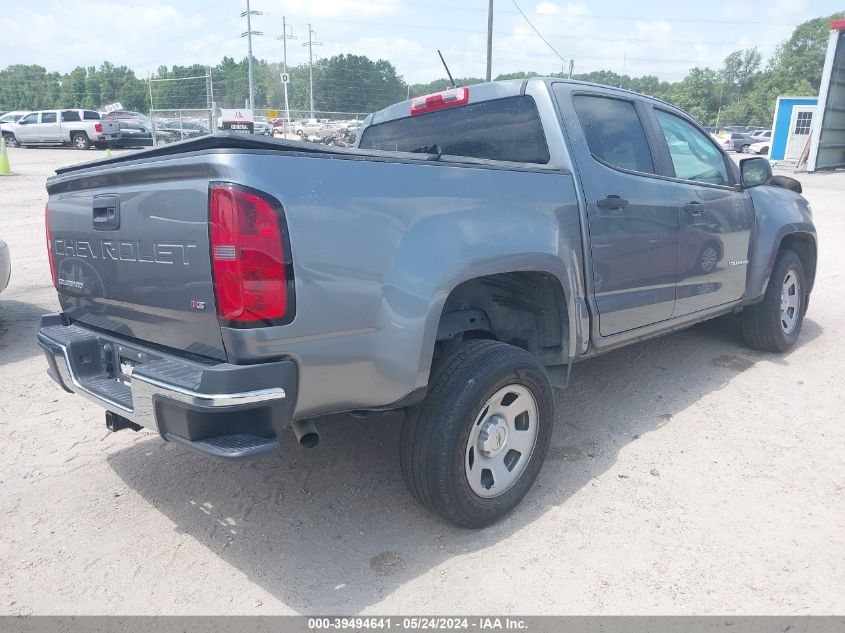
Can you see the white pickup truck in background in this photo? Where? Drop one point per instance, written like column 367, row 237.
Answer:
column 79, row 128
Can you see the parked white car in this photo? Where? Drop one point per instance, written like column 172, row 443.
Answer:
column 761, row 148
column 79, row 128
column 326, row 130
column 307, row 128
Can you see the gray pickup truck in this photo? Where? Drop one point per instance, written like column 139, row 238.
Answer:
column 455, row 264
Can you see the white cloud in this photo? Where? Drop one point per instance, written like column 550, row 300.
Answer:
column 130, row 33
column 336, row 8
column 657, row 29
column 572, row 9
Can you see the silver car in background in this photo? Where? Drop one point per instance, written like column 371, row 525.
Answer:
column 741, row 142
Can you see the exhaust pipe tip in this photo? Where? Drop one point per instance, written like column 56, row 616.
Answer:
column 306, row 433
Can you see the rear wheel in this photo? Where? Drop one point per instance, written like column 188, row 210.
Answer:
column 744, row 148
column 473, row 448
column 773, row 325
column 80, row 140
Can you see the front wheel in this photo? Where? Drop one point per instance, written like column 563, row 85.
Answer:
column 773, row 325
column 744, row 149
column 473, row 448
column 11, row 141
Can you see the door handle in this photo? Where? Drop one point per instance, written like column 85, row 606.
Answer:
column 612, row 202
column 694, row 207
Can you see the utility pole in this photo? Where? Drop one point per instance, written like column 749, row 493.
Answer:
column 489, row 40
column 209, row 99
column 311, row 42
column 248, row 35
column 285, row 37
column 571, row 64
column 152, row 115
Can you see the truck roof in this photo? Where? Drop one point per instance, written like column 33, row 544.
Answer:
column 498, row 90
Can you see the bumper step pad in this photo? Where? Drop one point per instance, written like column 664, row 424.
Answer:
column 230, row 446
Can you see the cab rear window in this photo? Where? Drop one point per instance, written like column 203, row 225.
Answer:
column 502, row 129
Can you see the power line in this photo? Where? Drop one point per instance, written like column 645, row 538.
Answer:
column 540, row 35
column 624, row 18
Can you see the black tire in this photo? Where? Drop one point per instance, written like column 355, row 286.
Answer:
column 744, row 149
column 436, row 432
column 761, row 323
column 80, row 140
column 11, row 141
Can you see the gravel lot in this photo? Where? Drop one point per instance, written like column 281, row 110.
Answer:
column 686, row 475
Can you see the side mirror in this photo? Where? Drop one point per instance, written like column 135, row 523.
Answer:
column 22, row 122
column 755, row 171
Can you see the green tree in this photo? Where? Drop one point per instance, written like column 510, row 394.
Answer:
column 698, row 94
column 739, row 71
column 27, row 86
column 443, row 83
column 355, row 83
column 802, row 55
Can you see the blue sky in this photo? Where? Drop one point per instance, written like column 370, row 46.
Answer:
column 650, row 36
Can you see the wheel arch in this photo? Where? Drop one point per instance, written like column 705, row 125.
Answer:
column 526, row 307
column 782, row 220
column 804, row 245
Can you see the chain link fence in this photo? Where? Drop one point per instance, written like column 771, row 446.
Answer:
column 169, row 126
column 305, row 115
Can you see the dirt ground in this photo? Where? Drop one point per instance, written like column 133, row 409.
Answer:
column 686, row 475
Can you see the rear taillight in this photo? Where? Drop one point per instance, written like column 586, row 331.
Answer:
column 247, row 255
column 440, row 100
column 98, row 127
column 50, row 247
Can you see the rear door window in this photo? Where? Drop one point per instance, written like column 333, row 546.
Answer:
column 70, row 115
column 506, row 129
column 48, row 117
column 613, row 132
column 90, row 115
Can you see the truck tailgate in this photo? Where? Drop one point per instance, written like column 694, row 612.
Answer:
column 130, row 247
column 110, row 127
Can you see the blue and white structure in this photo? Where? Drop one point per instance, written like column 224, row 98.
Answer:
column 792, row 126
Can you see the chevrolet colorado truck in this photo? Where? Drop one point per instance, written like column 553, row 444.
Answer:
column 456, row 263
